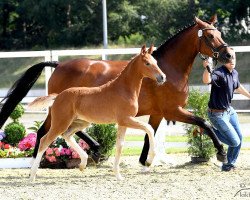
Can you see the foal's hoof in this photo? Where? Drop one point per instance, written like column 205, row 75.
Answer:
column 222, row 157
column 119, row 177
column 82, row 167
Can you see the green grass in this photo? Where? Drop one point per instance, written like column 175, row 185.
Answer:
column 167, row 139
column 136, row 151
column 246, row 139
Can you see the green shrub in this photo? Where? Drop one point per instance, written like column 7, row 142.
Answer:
column 14, row 131
column 200, row 144
column 17, row 112
column 105, row 135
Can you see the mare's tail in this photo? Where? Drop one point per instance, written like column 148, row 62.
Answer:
column 20, row 88
column 42, row 102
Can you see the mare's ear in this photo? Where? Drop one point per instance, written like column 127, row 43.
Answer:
column 151, row 49
column 143, row 50
column 213, row 19
column 199, row 22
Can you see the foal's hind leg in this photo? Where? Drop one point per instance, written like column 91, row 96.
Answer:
column 119, row 144
column 45, row 142
column 134, row 123
column 77, row 125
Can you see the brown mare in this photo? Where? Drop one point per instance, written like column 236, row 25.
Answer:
column 175, row 58
column 113, row 102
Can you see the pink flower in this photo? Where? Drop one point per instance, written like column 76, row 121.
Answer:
column 56, row 152
column 74, row 154
column 65, row 152
column 27, row 142
column 52, row 154
column 49, row 151
column 51, row 158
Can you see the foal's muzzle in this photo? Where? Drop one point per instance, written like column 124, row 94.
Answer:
column 161, row 79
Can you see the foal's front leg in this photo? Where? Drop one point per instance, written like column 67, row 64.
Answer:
column 83, row 155
column 77, row 125
column 119, row 144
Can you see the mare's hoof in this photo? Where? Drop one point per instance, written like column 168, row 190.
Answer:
column 95, row 156
column 147, row 164
column 145, row 169
column 222, row 157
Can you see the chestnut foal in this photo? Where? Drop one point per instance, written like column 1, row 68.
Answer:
column 114, row 102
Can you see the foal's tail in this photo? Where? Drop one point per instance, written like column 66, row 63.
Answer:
column 41, row 103
column 20, row 88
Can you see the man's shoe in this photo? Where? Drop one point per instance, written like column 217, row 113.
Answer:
column 227, row 168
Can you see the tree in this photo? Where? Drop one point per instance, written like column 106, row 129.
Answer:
column 47, row 24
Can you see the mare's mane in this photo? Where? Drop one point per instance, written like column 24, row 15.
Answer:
column 163, row 47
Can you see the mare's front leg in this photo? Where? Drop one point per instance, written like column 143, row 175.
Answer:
column 40, row 133
column 136, row 124
column 119, row 144
column 154, row 121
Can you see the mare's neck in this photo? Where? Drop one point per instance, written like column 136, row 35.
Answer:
column 130, row 78
column 177, row 57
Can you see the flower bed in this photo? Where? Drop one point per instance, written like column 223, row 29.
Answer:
column 58, row 155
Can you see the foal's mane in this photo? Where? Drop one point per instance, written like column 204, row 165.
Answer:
column 162, row 48
column 125, row 67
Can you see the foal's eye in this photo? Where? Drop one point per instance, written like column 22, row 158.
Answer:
column 148, row 64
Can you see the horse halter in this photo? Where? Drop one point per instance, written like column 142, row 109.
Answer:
column 216, row 51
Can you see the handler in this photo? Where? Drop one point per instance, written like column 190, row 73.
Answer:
column 225, row 81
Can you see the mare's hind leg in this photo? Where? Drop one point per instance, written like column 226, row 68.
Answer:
column 185, row 116
column 134, row 123
column 119, row 144
column 77, row 125
column 41, row 132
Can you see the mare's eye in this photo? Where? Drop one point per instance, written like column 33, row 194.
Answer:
column 148, row 64
column 210, row 36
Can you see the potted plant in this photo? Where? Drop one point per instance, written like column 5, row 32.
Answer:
column 59, row 155
column 200, row 145
column 15, row 130
column 105, row 135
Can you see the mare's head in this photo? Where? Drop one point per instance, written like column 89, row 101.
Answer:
column 148, row 65
column 210, row 41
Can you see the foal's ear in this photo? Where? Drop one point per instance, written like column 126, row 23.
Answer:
column 143, row 50
column 151, row 49
column 213, row 19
